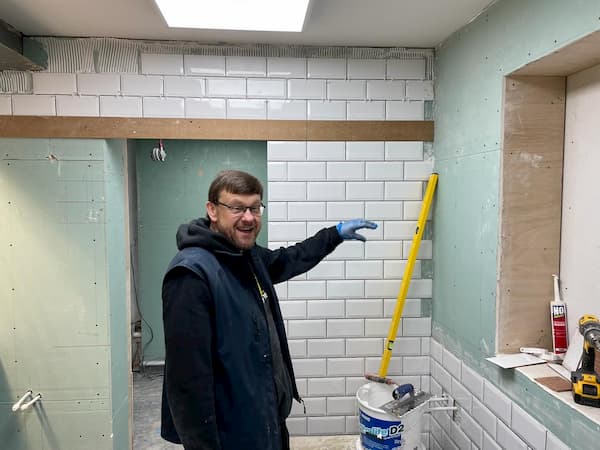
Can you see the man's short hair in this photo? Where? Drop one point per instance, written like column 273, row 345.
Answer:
column 235, row 182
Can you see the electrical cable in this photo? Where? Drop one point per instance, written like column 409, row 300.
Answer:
column 137, row 304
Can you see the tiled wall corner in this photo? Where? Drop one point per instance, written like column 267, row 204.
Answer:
column 486, row 417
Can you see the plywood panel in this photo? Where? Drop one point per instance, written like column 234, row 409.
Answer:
column 531, row 209
column 216, row 129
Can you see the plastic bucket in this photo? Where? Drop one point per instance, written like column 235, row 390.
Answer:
column 382, row 431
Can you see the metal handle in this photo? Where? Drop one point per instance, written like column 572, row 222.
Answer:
column 17, row 405
column 31, row 402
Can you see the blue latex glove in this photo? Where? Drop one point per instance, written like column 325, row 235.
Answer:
column 347, row 230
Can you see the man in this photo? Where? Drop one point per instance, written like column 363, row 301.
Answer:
column 229, row 381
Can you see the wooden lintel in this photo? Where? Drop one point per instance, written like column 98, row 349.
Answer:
column 214, row 129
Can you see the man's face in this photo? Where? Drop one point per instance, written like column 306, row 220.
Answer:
column 240, row 228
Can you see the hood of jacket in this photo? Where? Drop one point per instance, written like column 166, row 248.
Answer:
column 197, row 233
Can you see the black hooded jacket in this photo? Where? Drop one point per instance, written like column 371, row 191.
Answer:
column 221, row 369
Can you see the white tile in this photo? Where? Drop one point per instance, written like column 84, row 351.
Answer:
column 442, row 376
column 462, row 396
column 394, row 370
column 459, row 437
column 5, row 105
column 309, row 367
column 366, row 110
column 54, row 83
column 326, row 425
column 325, row 151
column 287, row 191
column 368, row 190
column 327, row 68
column 364, row 308
column 381, row 288
column 241, row 108
column 204, row 65
column 141, row 85
column 497, row 402
column 388, row 170
column 405, row 110
column 416, row 326
column 306, row 211
column 306, row 89
column 327, row 270
column 411, row 210
column 306, row 329
column 286, row 67
column 75, row 105
column 341, row 405
column 379, row 328
column 226, row 87
column 472, row 429
column 314, row 407
column 313, row 228
column 389, row 210
column 489, row 443
column 425, row 249
column 472, row 380
column 347, row 90
column 364, row 347
column 362, row 270
column 366, row 69
column 306, row 289
column 383, row 249
column 348, row 250
column 205, row 108
column 345, row 328
column 507, row 439
column 345, row 289
column 277, row 211
column 324, row 309
column 364, row 151
column 527, row 428
column 419, row 90
column 437, row 351
column 345, row 210
column 163, row 107
column 452, row 364
column 184, row 87
column 245, row 66
column 120, row 106
column 406, row 69
column 286, row 151
column 287, row 231
column 281, row 288
column 293, row 310
column 266, row 88
column 412, row 306
column 396, row 268
column 415, row 365
column 326, row 110
column 399, row 230
column 286, row 109
column 325, row 347
column 409, row 346
column 277, row 171
column 296, row 426
column 98, row 83
column 403, row 190
column 306, row 171
column 326, row 191
column 297, row 346
column 403, row 151
column 345, row 171
column 386, row 90
column 162, row 64
column 326, row 386
column 418, row 170
column 33, row 105
column 553, row 443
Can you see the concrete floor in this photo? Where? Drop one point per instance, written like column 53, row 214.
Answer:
column 147, row 390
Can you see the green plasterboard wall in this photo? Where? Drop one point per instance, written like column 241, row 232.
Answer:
column 174, row 192
column 469, row 68
column 57, row 324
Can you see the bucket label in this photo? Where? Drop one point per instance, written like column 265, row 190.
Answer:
column 378, row 434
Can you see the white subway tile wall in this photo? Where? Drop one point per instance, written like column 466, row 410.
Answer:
column 486, row 418
column 338, row 314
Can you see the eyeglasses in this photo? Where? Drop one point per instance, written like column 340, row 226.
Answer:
column 238, row 210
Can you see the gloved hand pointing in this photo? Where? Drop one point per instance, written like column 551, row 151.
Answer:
column 347, row 230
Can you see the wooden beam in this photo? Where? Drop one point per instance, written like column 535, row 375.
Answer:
column 216, row 129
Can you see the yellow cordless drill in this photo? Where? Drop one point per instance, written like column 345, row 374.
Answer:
column 586, row 382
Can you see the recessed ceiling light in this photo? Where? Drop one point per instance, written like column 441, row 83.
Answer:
column 246, row 15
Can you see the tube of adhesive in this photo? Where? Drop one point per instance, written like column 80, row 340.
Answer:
column 558, row 317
